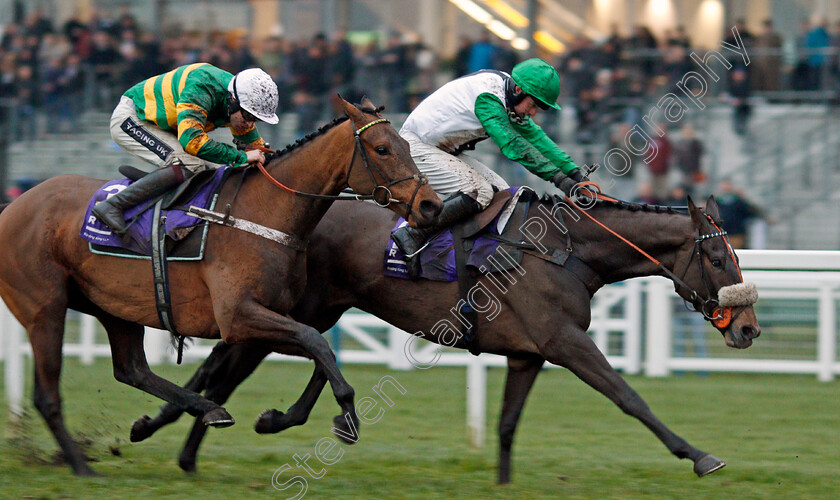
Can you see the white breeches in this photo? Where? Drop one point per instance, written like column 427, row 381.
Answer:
column 449, row 174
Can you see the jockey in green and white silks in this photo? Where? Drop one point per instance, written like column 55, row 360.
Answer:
column 486, row 104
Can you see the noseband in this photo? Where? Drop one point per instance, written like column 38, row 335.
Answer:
column 717, row 310
column 381, row 193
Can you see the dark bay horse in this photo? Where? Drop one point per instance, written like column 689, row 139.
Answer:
column 241, row 292
column 543, row 317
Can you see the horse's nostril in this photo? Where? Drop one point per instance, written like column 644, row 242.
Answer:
column 430, row 209
column 750, row 332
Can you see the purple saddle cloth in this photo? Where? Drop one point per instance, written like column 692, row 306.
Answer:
column 437, row 260
column 177, row 225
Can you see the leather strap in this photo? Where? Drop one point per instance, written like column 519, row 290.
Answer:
column 161, row 276
column 268, row 233
column 465, row 283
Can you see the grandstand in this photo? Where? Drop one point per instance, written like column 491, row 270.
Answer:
column 616, row 64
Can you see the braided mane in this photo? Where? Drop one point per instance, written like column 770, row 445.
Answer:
column 624, row 205
column 321, row 131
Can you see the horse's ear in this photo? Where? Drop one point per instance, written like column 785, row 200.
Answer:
column 367, row 103
column 696, row 214
column 712, row 208
column 350, row 110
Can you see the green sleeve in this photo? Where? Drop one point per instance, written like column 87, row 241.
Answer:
column 524, row 143
column 192, row 125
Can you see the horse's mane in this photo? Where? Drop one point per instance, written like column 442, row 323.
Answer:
column 624, row 205
column 321, row 131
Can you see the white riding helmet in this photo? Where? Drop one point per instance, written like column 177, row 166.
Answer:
column 256, row 93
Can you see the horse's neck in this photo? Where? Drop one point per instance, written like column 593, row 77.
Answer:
column 316, row 167
column 660, row 235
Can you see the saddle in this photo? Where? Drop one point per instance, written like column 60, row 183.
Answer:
column 482, row 234
column 479, row 245
column 182, row 242
column 182, row 193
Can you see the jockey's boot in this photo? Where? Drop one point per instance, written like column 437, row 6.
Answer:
column 411, row 240
column 110, row 210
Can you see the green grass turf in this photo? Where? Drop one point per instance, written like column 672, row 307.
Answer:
column 778, row 435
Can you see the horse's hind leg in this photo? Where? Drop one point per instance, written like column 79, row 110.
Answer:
column 224, row 370
column 46, row 336
column 520, row 378
column 577, row 352
column 130, row 367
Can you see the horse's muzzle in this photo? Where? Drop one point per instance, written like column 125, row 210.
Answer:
column 743, row 329
column 430, row 209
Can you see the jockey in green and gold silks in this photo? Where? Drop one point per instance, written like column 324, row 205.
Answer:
column 190, row 101
column 164, row 120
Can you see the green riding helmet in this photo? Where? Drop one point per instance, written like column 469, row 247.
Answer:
column 539, row 80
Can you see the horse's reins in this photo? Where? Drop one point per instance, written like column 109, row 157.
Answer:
column 359, row 149
column 711, row 309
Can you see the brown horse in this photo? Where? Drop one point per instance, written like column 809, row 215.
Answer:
column 542, row 317
column 241, row 292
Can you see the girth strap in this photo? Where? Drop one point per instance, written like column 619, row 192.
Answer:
column 465, row 283
column 161, row 276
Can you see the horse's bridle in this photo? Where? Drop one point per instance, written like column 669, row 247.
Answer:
column 710, row 307
column 720, row 315
column 381, row 193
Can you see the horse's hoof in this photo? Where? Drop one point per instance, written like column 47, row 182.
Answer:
column 265, row 422
column 346, row 433
column 187, row 465
column 141, row 429
column 218, row 418
column 708, row 464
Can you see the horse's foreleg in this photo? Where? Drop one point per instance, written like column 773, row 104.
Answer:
column 130, row 367
column 46, row 337
column 577, row 352
column 520, row 378
column 273, row 421
column 144, row 427
column 258, row 325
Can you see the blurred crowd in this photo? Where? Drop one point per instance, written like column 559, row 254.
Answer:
column 58, row 70
column 47, row 67
column 607, row 80
column 44, row 66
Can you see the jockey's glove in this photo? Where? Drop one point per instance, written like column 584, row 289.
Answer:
column 567, row 183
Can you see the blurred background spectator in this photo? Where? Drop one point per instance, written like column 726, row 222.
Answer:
column 768, row 60
column 736, row 212
column 688, row 157
column 660, row 164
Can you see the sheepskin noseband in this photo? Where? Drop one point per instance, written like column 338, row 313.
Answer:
column 741, row 294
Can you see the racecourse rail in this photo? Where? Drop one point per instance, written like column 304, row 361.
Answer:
column 643, row 329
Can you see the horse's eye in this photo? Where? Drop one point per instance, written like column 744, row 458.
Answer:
column 381, row 150
column 717, row 263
